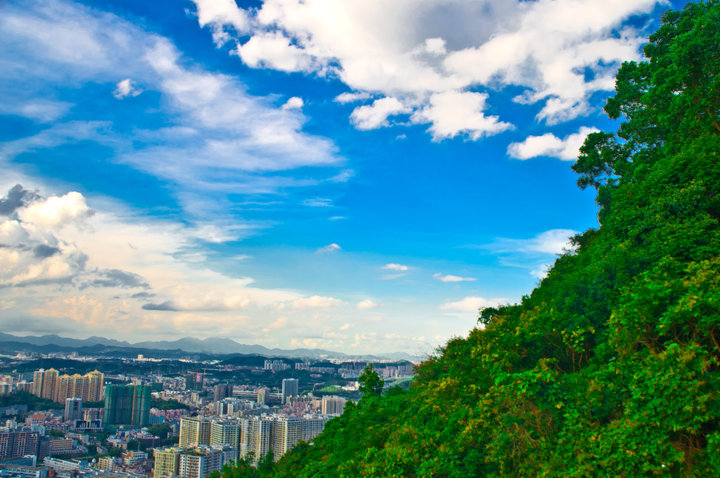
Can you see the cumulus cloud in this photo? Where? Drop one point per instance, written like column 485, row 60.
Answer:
column 561, row 52
column 294, row 103
column 452, row 113
column 31, row 256
column 330, row 248
column 274, row 50
column 30, row 252
column 396, row 267
column 452, row 278
column 366, row 304
column 376, row 115
column 550, row 145
column 221, row 16
column 16, row 197
column 126, row 88
column 56, row 212
column 472, row 304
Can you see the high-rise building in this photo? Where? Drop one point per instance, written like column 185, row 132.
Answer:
column 167, row 462
column 225, row 432
column 290, row 388
column 196, row 462
column 194, row 431
column 259, row 437
column 194, row 381
column 221, row 391
column 286, row 434
column 73, row 409
column 312, row 426
column 95, row 382
column 17, row 443
column 332, row 405
column 276, row 365
column 48, row 384
column 262, row 395
column 127, row 405
column 37, row 382
column 69, row 386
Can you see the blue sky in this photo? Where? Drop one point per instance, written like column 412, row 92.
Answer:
column 356, row 176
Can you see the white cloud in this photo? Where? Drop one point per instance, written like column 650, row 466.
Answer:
column 219, row 13
column 473, row 304
column 55, row 212
column 550, row 145
column 222, row 16
column 541, row 271
column 375, row 115
column 274, row 50
column 42, row 259
column 126, row 88
column 42, row 110
column 452, row 113
column 452, row 278
column 535, row 253
column 318, row 202
column 396, row 267
column 120, row 273
column 560, row 51
column 366, row 304
column 316, row 302
column 555, row 241
column 294, row 103
column 352, row 97
column 219, row 138
column 435, row 46
column 330, row 248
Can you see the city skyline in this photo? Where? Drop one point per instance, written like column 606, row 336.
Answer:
column 361, row 180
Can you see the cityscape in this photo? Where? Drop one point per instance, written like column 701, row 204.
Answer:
column 167, row 423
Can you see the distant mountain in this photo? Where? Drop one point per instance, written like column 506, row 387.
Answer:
column 209, row 346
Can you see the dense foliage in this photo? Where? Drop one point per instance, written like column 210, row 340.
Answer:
column 34, row 403
column 611, row 366
column 170, row 404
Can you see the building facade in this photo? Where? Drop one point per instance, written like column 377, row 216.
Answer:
column 127, row 405
column 194, row 431
column 290, row 388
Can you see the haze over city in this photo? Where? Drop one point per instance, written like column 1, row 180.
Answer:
column 360, row 177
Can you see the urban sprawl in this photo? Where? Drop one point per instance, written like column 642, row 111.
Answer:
column 159, row 424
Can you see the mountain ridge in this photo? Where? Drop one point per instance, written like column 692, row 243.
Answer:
column 208, row 346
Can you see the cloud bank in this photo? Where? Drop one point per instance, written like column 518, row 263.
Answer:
column 429, row 58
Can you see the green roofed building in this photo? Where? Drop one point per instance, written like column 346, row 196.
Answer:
column 127, row 405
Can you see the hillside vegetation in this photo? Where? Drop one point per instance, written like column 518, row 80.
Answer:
column 610, row 367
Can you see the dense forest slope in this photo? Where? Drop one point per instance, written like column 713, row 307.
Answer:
column 611, row 366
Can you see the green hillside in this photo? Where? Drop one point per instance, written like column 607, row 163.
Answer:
column 610, row 367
